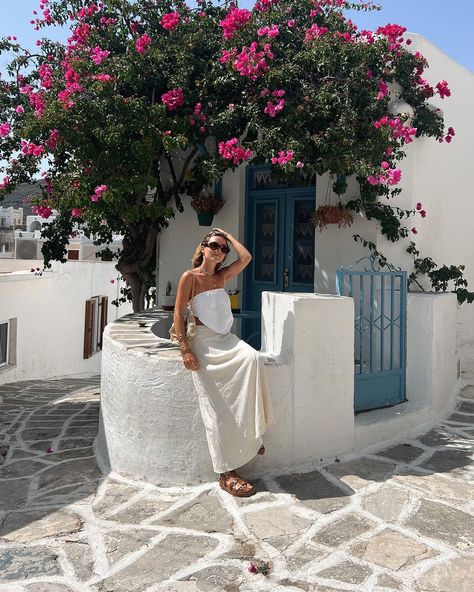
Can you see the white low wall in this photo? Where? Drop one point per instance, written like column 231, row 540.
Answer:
column 50, row 312
column 151, row 426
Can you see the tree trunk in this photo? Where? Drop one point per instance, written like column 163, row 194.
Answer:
column 136, row 263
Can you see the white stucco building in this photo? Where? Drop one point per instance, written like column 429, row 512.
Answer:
column 11, row 217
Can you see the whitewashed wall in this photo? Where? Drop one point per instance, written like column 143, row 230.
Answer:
column 50, row 310
column 176, row 245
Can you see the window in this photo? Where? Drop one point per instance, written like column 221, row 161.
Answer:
column 94, row 324
column 4, row 334
column 7, row 342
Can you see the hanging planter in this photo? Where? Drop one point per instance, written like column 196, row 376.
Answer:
column 329, row 213
column 206, row 206
column 323, row 216
column 205, row 218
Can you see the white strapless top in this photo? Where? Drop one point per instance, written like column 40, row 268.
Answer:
column 212, row 308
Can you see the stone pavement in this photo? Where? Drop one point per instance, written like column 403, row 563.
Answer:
column 401, row 518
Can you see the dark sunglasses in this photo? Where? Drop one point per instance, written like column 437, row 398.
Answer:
column 216, row 246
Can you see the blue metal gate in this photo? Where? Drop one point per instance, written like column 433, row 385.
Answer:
column 380, row 331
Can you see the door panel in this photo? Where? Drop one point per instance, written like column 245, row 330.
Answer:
column 281, row 239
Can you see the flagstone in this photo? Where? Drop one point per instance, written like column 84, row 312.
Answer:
column 21, row 468
column 444, row 523
column 275, row 521
column 79, row 554
column 30, row 525
column 218, row 578
column 77, row 494
column 460, row 418
column 440, row 437
column 360, row 472
column 116, row 493
column 175, row 552
column 314, row 491
column 14, row 494
column 343, row 530
column 69, row 472
column 454, row 575
column 392, row 550
column 437, row 485
column 202, row 513
column 120, row 543
column 405, row 453
column 346, row 571
column 143, row 508
column 28, row 562
column 387, row 504
column 48, row 587
column 449, row 460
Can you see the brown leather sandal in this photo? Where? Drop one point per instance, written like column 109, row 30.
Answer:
column 235, row 485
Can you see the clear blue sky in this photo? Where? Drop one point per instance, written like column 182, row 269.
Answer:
column 446, row 24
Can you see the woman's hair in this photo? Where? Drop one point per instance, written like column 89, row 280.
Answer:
column 198, row 257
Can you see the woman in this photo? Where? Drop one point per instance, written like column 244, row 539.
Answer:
column 229, row 374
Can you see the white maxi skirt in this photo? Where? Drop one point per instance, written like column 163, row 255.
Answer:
column 233, row 397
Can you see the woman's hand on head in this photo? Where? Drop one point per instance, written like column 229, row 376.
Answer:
column 190, row 361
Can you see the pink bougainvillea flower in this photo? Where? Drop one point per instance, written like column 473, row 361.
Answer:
column 274, row 107
column 252, row 568
column 103, row 77
column 264, row 5
column 76, row 212
column 142, row 43
column 235, row 19
column 20, row 109
column 170, row 20
column 314, row 32
column 272, row 31
column 299, row 164
column 53, row 139
column 443, row 90
column 284, row 156
column 229, row 150
column 173, row 99
column 98, row 55
column 43, row 211
column 250, row 62
column 5, row 129
column 394, row 176
column 98, row 191
column 383, row 90
column 384, row 164
column 372, row 180
column 31, row 149
column 392, row 31
column 291, row 23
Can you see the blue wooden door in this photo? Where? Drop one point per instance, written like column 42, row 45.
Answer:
column 281, row 239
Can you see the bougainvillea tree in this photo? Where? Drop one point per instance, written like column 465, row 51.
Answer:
column 153, row 100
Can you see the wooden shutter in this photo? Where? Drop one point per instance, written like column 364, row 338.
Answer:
column 88, row 325
column 104, row 304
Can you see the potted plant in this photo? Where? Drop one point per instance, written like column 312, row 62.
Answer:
column 168, row 299
column 206, row 204
column 329, row 214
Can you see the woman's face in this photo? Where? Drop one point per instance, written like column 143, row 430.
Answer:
column 215, row 254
